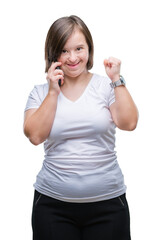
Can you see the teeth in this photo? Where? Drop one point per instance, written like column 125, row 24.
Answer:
column 73, row 64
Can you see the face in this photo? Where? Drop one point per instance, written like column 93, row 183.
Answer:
column 75, row 55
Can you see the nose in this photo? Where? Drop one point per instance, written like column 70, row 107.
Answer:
column 72, row 56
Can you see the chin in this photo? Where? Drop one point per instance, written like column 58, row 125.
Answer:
column 75, row 74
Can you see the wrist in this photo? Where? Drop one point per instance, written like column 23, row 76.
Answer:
column 115, row 78
column 119, row 82
column 53, row 93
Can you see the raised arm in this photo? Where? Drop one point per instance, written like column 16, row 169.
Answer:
column 38, row 122
column 124, row 111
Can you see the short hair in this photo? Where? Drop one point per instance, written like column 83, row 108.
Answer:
column 59, row 33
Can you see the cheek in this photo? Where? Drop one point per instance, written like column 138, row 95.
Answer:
column 61, row 59
column 85, row 56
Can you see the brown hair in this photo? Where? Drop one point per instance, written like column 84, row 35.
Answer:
column 58, row 35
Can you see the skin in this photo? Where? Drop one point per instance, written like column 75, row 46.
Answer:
column 124, row 111
column 74, row 79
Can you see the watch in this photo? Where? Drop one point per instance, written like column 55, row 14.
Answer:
column 120, row 82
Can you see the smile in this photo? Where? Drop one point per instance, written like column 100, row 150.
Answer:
column 73, row 65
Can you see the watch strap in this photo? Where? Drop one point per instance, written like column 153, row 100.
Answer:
column 120, row 82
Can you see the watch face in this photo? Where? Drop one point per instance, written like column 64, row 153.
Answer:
column 122, row 80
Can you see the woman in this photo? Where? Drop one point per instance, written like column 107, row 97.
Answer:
column 80, row 190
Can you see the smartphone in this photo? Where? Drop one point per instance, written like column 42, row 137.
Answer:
column 59, row 81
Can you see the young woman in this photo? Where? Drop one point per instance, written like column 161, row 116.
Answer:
column 80, row 190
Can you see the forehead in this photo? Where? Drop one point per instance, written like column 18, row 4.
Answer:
column 76, row 38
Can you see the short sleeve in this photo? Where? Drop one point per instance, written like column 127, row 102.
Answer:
column 111, row 98
column 104, row 90
column 107, row 91
column 36, row 97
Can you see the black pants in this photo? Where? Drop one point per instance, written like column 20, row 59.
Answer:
column 57, row 220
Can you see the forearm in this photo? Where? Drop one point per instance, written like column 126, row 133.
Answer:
column 124, row 110
column 37, row 126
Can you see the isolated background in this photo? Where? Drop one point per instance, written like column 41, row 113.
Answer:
column 126, row 29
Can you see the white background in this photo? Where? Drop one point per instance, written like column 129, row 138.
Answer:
column 126, row 29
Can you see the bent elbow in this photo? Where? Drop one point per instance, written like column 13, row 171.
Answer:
column 127, row 125
column 133, row 123
column 132, row 126
column 35, row 140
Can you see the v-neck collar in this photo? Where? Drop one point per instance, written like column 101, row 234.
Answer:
column 81, row 96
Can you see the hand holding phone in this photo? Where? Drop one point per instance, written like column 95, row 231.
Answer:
column 59, row 81
column 55, row 77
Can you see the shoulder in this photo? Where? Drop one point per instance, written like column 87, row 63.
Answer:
column 101, row 82
column 40, row 91
column 41, row 88
column 101, row 86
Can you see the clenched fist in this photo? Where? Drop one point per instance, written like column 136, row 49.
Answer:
column 112, row 67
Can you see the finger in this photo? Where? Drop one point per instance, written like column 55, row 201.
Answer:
column 107, row 63
column 56, row 78
column 58, row 72
column 55, row 73
column 62, row 81
column 53, row 66
column 56, row 64
column 114, row 61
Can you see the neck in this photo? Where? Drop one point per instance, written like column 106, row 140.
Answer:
column 72, row 81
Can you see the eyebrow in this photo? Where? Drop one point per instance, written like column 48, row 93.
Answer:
column 78, row 45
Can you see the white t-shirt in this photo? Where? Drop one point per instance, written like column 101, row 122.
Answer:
column 80, row 163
